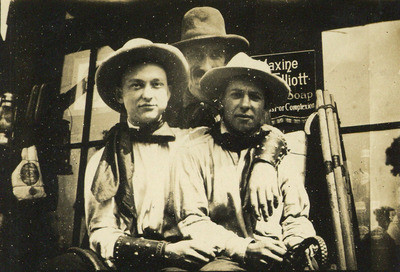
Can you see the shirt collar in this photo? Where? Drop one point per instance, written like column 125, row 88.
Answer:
column 164, row 130
column 223, row 128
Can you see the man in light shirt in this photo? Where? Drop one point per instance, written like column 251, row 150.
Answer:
column 128, row 190
column 206, row 45
column 211, row 175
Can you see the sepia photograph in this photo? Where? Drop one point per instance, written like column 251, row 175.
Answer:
column 201, row 135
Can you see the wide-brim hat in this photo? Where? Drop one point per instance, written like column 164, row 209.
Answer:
column 136, row 51
column 214, row 81
column 206, row 24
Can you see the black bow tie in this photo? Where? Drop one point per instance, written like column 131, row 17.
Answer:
column 145, row 136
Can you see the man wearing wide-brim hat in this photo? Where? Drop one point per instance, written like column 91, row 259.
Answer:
column 128, row 190
column 205, row 44
column 129, row 216
column 212, row 197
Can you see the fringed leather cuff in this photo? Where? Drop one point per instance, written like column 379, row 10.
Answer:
column 138, row 250
column 273, row 147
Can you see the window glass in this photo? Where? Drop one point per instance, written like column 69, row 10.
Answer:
column 103, row 117
column 373, row 184
column 73, row 88
column 361, row 69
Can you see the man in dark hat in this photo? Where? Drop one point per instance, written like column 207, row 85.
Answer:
column 205, row 45
column 211, row 174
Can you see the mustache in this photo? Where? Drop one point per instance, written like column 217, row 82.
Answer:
column 245, row 115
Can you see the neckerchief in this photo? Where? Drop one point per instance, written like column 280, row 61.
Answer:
column 235, row 143
column 116, row 164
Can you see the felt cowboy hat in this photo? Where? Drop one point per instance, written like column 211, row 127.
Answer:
column 241, row 65
column 135, row 51
column 203, row 24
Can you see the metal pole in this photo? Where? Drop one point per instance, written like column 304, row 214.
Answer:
column 79, row 201
column 345, row 169
column 340, row 187
column 333, row 200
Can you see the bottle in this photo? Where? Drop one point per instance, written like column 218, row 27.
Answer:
column 27, row 178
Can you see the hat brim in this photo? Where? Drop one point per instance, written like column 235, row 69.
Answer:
column 276, row 90
column 108, row 75
column 235, row 42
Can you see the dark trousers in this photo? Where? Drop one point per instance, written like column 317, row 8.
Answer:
column 74, row 262
column 219, row 264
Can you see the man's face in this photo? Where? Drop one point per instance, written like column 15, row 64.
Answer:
column 201, row 58
column 144, row 92
column 243, row 106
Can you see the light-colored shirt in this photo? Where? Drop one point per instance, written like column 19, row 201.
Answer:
column 208, row 203
column 151, row 190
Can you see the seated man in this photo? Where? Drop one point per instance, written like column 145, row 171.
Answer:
column 211, row 173
column 129, row 213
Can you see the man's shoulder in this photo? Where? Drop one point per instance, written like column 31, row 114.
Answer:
column 197, row 136
column 92, row 167
column 94, row 161
column 194, row 139
column 96, row 156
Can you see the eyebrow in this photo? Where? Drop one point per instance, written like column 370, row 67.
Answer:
column 237, row 89
column 250, row 92
column 133, row 80
column 141, row 80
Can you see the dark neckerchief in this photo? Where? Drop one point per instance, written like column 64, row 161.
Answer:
column 235, row 143
column 157, row 132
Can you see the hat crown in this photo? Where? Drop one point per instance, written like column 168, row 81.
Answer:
column 241, row 65
column 202, row 21
column 244, row 61
column 137, row 42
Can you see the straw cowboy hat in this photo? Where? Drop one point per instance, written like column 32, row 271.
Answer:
column 135, row 51
column 203, row 24
column 215, row 80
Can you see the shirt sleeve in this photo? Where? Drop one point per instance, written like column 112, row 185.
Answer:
column 295, row 223
column 102, row 224
column 190, row 174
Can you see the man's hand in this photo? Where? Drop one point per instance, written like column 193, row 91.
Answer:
column 312, row 264
column 263, row 190
column 265, row 252
column 190, row 252
column 310, row 254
